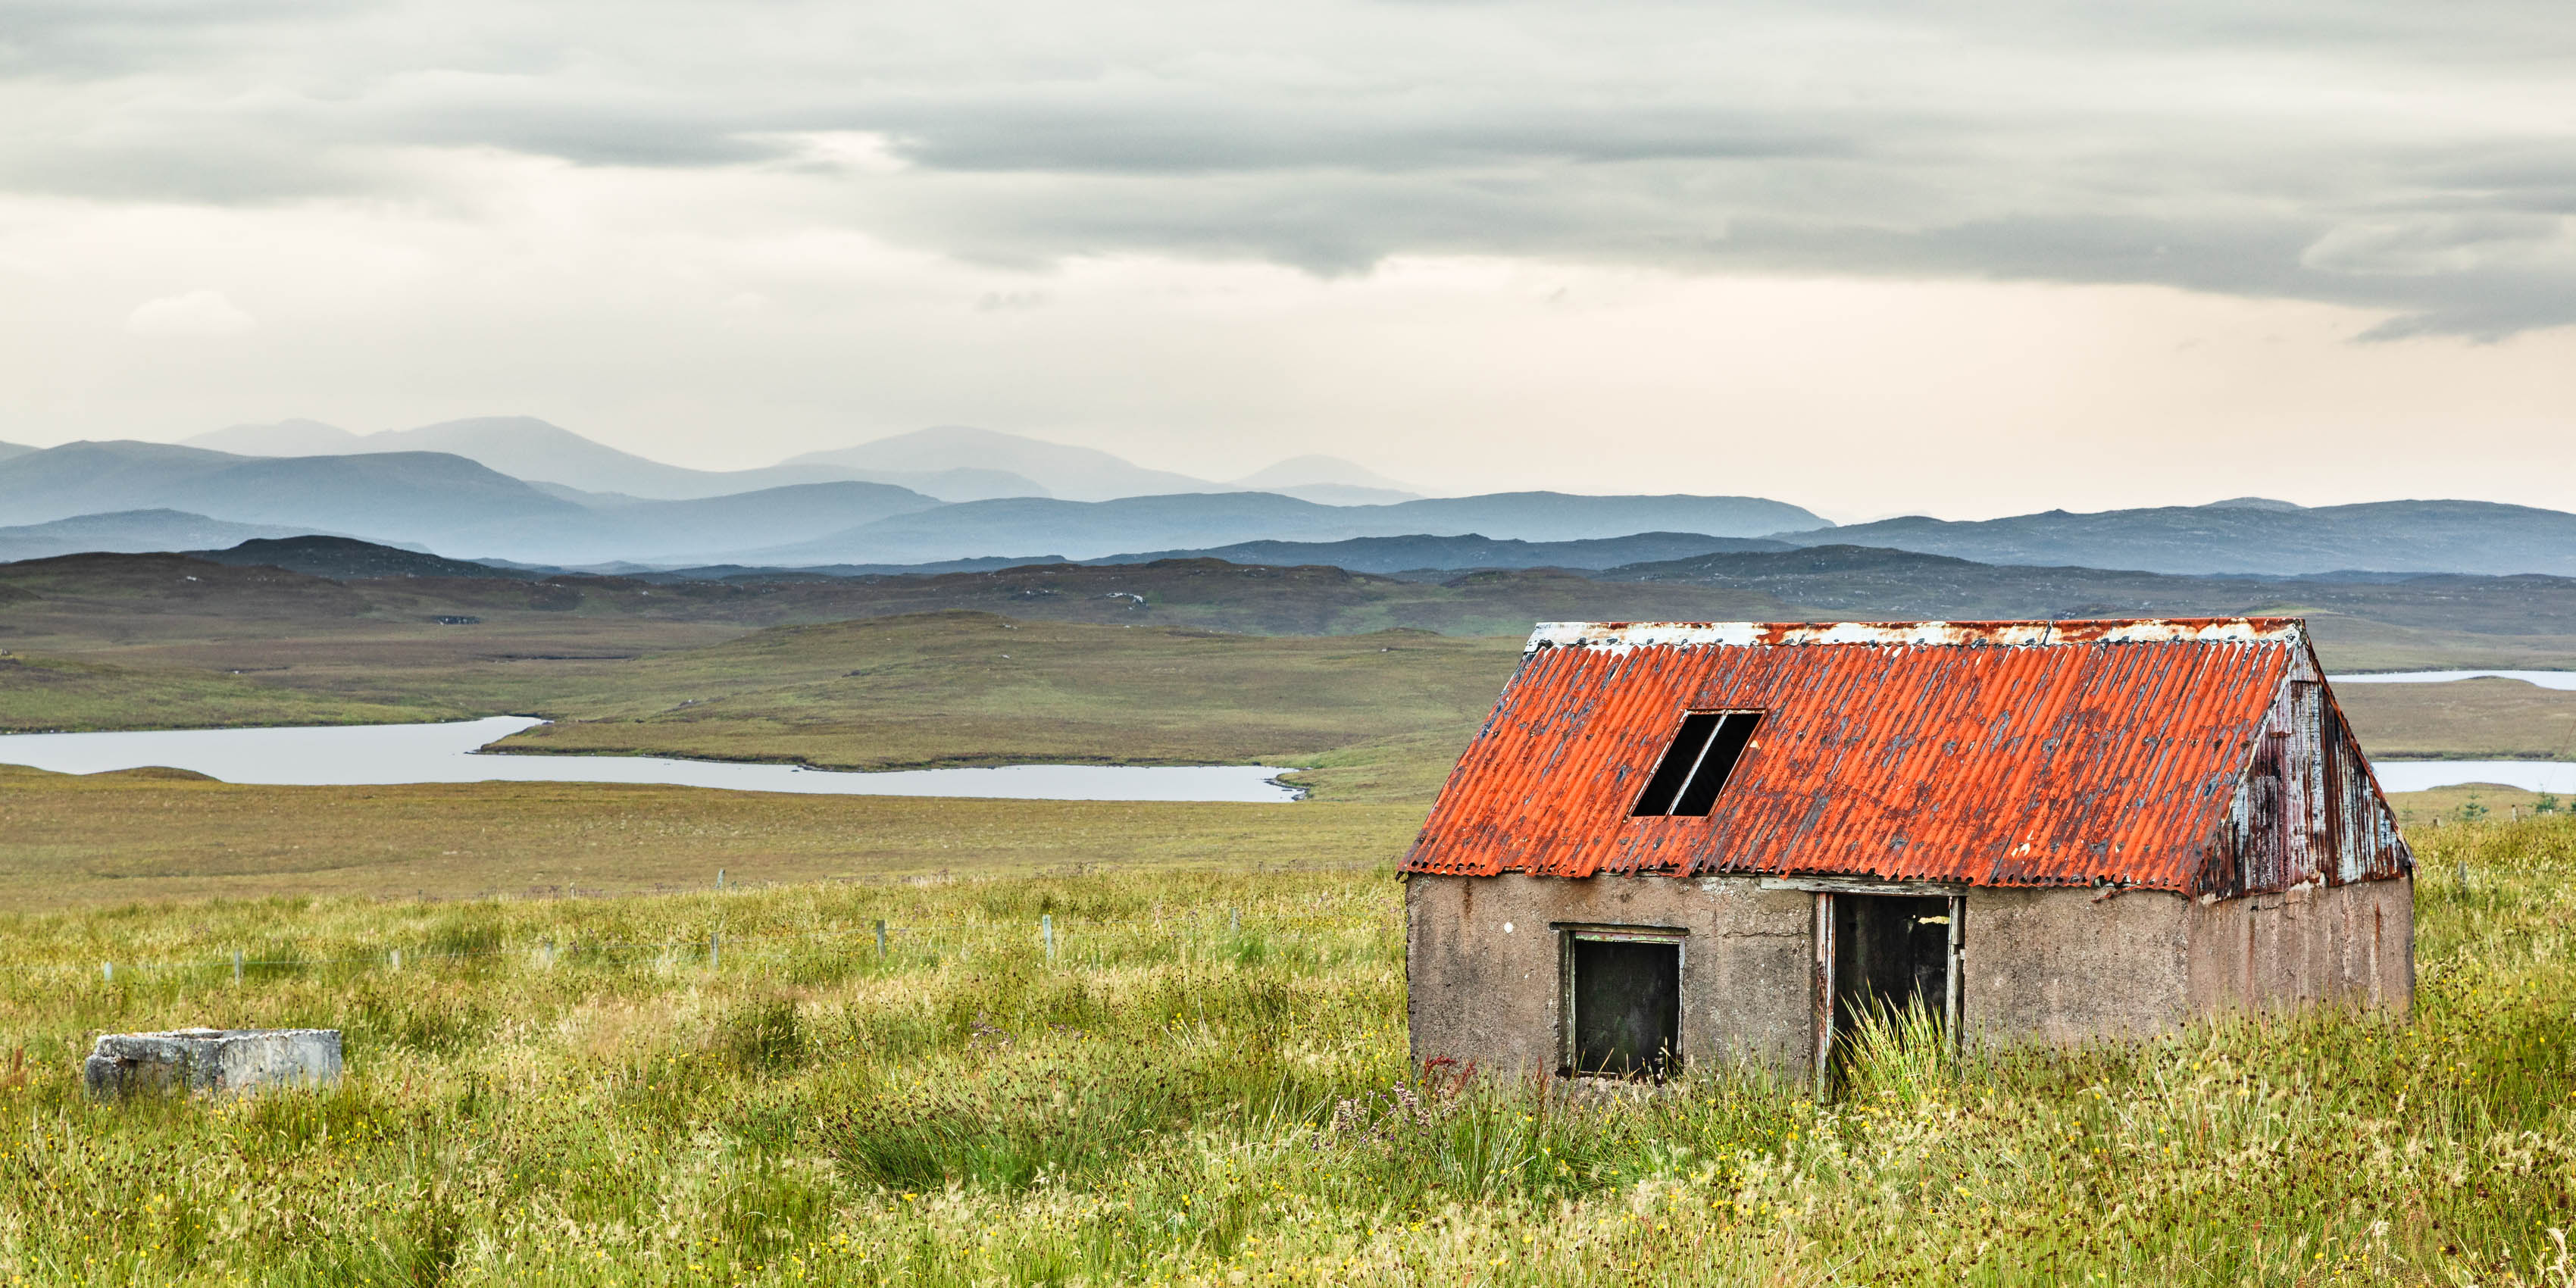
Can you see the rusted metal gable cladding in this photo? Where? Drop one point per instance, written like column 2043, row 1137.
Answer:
column 1997, row 753
column 2309, row 810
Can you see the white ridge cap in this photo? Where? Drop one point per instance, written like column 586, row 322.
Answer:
column 1622, row 636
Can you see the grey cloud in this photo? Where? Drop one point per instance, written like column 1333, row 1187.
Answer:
column 2388, row 155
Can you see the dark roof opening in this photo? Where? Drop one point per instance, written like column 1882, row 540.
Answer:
column 1694, row 769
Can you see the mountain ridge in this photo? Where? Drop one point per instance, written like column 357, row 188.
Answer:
column 2272, row 538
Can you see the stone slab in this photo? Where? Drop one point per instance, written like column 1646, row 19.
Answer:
column 211, row 1060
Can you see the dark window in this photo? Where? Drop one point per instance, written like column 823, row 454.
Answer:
column 1694, row 769
column 1627, row 1007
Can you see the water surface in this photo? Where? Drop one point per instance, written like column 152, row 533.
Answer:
column 2545, row 679
column 2530, row 775
column 349, row 755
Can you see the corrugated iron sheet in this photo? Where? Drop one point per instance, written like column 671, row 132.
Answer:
column 1997, row 753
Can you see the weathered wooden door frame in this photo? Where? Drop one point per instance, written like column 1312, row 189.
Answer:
column 1822, row 1000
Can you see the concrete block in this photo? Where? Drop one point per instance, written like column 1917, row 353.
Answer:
column 211, row 1060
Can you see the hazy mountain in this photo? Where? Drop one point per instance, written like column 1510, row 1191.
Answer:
column 574, row 468
column 645, row 531
column 1072, row 473
column 343, row 558
column 128, row 532
column 401, row 496
column 1327, row 480
column 2248, row 536
column 285, row 438
column 1448, row 554
column 1092, row 530
column 8, row 450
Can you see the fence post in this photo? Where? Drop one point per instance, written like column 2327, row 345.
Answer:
column 2464, row 876
column 397, row 959
column 107, row 971
column 880, row 939
column 237, row 968
column 1046, row 923
column 715, row 950
column 1234, row 921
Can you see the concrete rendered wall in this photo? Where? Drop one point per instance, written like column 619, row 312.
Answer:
column 2054, row 966
column 1491, row 996
column 2348, row 945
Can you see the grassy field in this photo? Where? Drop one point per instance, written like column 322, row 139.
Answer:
column 1208, row 1084
column 2472, row 719
column 147, row 836
column 973, row 688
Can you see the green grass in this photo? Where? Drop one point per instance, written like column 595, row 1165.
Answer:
column 2480, row 719
column 976, row 689
column 104, row 839
column 569, row 1092
column 51, row 694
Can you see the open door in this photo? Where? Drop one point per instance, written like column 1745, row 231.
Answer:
column 1881, row 956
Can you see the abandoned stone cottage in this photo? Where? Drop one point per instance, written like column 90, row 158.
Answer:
column 1675, row 843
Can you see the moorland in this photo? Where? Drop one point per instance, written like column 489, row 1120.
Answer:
column 574, row 1060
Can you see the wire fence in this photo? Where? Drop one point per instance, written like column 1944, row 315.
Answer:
column 1046, row 939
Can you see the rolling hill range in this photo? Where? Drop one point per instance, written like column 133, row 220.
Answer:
column 129, row 532
column 2249, row 535
column 87, row 601
column 432, row 499
column 527, row 448
column 403, row 496
column 1438, row 556
column 462, row 507
column 1100, row 529
column 520, row 489
column 1073, row 473
column 1032, row 662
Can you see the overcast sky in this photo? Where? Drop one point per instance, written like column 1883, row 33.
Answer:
column 1954, row 259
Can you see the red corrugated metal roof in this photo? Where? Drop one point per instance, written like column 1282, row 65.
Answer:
column 1996, row 753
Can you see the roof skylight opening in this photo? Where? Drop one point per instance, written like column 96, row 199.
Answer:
column 1694, row 769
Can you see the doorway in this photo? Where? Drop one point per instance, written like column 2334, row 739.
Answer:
column 1880, row 958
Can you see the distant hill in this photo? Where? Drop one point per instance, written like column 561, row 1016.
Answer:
column 1450, row 554
column 1093, row 530
column 128, row 531
column 1071, row 473
column 8, row 450
column 297, row 437
column 400, row 496
column 2248, row 535
column 1327, row 480
column 647, row 531
column 342, row 559
column 536, row 451
column 446, row 502
column 1870, row 583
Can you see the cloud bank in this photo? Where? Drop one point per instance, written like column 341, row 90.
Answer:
column 2418, row 160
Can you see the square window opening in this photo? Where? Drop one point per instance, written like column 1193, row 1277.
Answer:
column 1695, row 767
column 1625, row 996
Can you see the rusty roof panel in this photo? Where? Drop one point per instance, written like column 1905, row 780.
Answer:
column 1997, row 753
